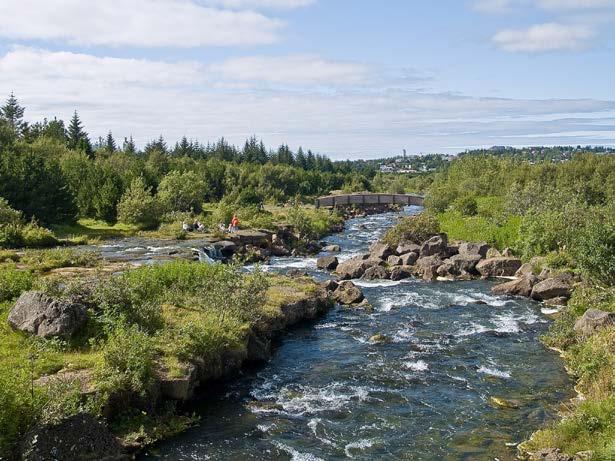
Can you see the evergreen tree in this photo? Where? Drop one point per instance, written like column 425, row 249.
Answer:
column 77, row 137
column 129, row 146
column 300, row 159
column 110, row 145
column 12, row 112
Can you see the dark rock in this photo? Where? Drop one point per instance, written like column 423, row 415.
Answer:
column 38, row 314
column 465, row 262
column 401, row 272
column 452, row 250
column 376, row 273
column 327, row 262
column 380, row 251
column 329, row 285
column 498, row 267
column 77, row 438
column 408, row 259
column 352, row 268
column 555, row 287
column 404, row 248
column 593, row 320
column 519, row 287
column 348, row 293
column 436, row 245
column 394, row 260
column 279, row 250
column 428, row 266
column 474, row 248
column 226, row 247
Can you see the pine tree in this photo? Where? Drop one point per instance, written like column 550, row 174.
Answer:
column 129, row 146
column 12, row 112
column 77, row 137
column 300, row 159
column 110, row 145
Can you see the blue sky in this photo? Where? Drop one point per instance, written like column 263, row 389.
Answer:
column 347, row 78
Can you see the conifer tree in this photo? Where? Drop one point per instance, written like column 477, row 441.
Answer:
column 129, row 146
column 110, row 145
column 12, row 112
column 77, row 137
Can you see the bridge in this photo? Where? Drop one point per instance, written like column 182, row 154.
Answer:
column 368, row 199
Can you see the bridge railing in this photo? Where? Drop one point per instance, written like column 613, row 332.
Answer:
column 368, row 199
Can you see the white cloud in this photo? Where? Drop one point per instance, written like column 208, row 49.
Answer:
column 506, row 6
column 575, row 4
column 260, row 4
column 142, row 23
column 493, row 6
column 291, row 70
column 145, row 98
column 544, row 37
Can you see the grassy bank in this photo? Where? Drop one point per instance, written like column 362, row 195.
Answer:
column 144, row 325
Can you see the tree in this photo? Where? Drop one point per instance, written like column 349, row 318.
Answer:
column 110, row 145
column 301, row 159
column 12, row 112
column 138, row 206
column 77, row 137
column 182, row 191
column 129, row 146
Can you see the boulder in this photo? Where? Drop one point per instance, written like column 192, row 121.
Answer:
column 226, row 247
column 437, row 245
column 348, row 293
column 556, row 287
column 38, row 314
column 379, row 338
column 493, row 253
column 332, row 249
column 428, row 266
column 550, row 454
column 380, row 251
column 352, row 268
column 474, row 248
column 498, row 267
column 465, row 262
column 519, row 287
column 401, row 272
column 376, row 273
column 524, row 270
column 279, row 250
column 394, row 260
column 327, row 262
column 408, row 259
column 452, row 250
column 404, row 248
column 79, row 437
column 593, row 320
column 329, row 285
column 556, row 302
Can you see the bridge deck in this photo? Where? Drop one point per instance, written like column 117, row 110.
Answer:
column 369, row 199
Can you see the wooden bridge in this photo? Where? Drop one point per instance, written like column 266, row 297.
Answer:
column 368, row 199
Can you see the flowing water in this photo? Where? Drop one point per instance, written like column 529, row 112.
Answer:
column 329, row 393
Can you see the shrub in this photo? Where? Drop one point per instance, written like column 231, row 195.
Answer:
column 7, row 214
column 128, row 361
column 466, row 205
column 46, row 260
column 13, row 282
column 138, row 206
column 35, row 236
column 414, row 229
column 11, row 236
column 182, row 191
column 594, row 251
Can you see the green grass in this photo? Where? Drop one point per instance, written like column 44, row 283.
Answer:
column 501, row 233
column 94, row 229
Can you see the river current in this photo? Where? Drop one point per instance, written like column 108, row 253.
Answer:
column 329, row 393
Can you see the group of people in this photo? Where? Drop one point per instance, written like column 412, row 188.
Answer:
column 198, row 226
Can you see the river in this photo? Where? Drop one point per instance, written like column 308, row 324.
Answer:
column 329, row 393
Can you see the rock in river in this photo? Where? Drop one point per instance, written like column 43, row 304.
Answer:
column 327, row 262
column 348, row 293
column 519, row 287
column 380, row 251
column 376, row 273
column 498, row 267
column 38, row 314
column 556, row 287
column 436, row 245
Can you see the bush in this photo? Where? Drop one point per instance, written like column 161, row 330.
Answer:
column 414, row 229
column 35, row 236
column 46, row 260
column 13, row 282
column 466, row 205
column 594, row 251
column 138, row 206
column 11, row 236
column 7, row 214
column 128, row 362
column 182, row 191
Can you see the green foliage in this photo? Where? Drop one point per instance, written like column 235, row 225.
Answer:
column 594, row 251
column 13, row 282
column 7, row 214
column 500, row 234
column 182, row 191
column 138, row 206
column 128, row 361
column 413, row 229
column 46, row 260
column 466, row 205
column 311, row 223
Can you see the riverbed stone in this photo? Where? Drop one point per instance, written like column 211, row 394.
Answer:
column 401, row 272
column 404, row 248
column 348, row 293
column 327, row 262
column 428, row 266
column 394, row 260
column 437, row 245
column 593, row 320
column 465, row 262
column 555, row 287
column 380, row 251
column 40, row 315
column 518, row 287
column 329, row 285
column 498, row 267
column 474, row 248
column 332, row 249
column 409, row 259
column 525, row 270
column 376, row 273
column 352, row 268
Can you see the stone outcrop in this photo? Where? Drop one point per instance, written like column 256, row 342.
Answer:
column 332, row 249
column 348, row 293
column 518, row 287
column 352, row 268
column 401, row 272
column 498, row 267
column 474, row 248
column 376, row 273
column 404, row 248
column 380, row 251
column 79, row 437
column 556, row 287
column 327, row 262
column 428, row 266
column 394, row 260
column 329, row 285
column 408, row 259
column 593, row 320
column 38, row 314
column 437, row 245
column 525, row 270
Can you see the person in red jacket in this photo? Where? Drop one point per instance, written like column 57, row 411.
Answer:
column 234, row 224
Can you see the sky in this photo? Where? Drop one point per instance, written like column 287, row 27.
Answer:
column 345, row 78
